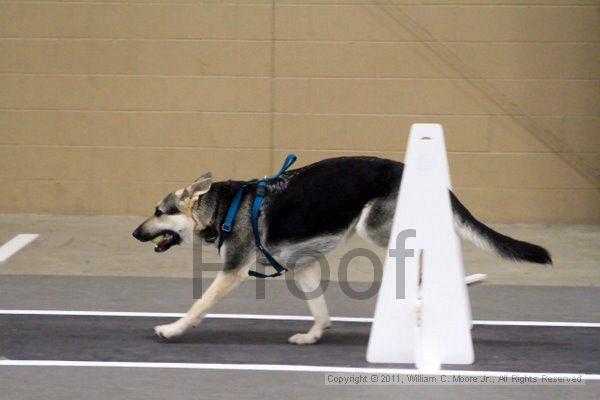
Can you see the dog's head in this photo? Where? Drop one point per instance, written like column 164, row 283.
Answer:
column 174, row 221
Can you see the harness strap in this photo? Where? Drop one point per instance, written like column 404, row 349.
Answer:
column 228, row 223
column 258, row 198
column 289, row 160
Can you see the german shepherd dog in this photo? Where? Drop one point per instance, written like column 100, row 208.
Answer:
column 306, row 213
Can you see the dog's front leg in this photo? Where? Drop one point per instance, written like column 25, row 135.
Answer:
column 309, row 281
column 224, row 283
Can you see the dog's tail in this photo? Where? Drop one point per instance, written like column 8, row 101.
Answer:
column 484, row 237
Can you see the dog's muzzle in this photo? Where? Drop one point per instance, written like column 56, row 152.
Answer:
column 138, row 234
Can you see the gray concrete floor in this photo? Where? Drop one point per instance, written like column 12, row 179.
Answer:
column 248, row 341
column 226, row 341
column 103, row 246
column 143, row 294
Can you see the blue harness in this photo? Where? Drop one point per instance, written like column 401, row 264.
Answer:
column 258, row 198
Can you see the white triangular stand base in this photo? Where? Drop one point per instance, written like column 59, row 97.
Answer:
column 423, row 314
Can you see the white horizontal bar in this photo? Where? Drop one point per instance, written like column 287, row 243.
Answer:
column 279, row 317
column 471, row 279
column 286, row 368
column 15, row 244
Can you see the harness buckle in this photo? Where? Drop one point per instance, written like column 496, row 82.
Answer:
column 226, row 228
column 260, row 191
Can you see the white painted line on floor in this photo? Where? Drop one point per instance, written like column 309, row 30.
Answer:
column 15, row 244
column 94, row 313
column 287, row 368
column 558, row 324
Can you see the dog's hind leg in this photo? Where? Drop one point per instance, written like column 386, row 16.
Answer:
column 308, row 279
column 375, row 222
column 224, row 283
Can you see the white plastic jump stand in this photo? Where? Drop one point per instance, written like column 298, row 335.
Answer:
column 423, row 315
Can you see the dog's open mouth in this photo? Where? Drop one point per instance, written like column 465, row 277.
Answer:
column 164, row 240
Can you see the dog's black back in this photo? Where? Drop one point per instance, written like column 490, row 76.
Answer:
column 324, row 198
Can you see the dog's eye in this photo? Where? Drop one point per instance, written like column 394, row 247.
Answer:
column 157, row 212
column 172, row 210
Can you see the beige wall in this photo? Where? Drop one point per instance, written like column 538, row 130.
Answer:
column 105, row 106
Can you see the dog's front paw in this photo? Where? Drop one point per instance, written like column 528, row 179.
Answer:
column 305, row 338
column 169, row 331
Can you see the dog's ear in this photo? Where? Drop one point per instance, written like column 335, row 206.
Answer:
column 199, row 187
